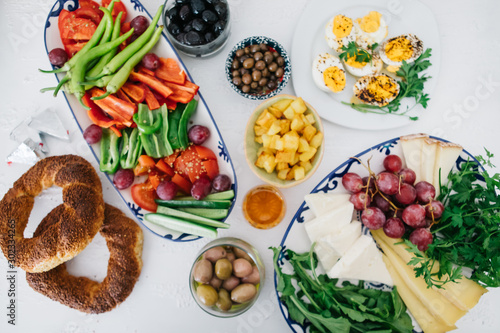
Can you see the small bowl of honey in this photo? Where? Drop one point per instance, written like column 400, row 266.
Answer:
column 264, row 207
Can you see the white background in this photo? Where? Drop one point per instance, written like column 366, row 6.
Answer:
column 462, row 110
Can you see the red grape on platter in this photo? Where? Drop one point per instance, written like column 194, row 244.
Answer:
column 123, row 178
column 371, row 185
column 421, row 237
column 414, row 216
column 221, row 183
column 360, row 200
column 58, row 57
column 434, row 209
column 394, row 228
column 393, row 163
column 151, row 61
column 352, row 182
column 381, row 203
column 408, row 176
column 406, row 195
column 198, row 134
column 373, row 218
column 167, row 190
column 388, row 183
column 92, row 134
column 425, row 191
column 201, row 188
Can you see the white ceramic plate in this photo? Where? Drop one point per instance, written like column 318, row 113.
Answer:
column 295, row 237
column 202, row 116
column 402, row 16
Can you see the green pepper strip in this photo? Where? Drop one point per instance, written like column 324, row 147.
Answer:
column 122, row 57
column 173, row 126
column 122, row 75
column 155, row 144
column 147, row 129
column 132, row 148
column 164, row 131
column 186, row 115
column 110, row 155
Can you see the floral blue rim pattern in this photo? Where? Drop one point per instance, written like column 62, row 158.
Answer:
column 258, row 40
column 328, row 184
column 72, row 5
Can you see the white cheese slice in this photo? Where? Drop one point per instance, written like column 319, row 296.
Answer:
column 446, row 156
column 428, row 160
column 363, row 261
column 320, row 203
column 412, row 148
column 326, row 255
column 329, row 222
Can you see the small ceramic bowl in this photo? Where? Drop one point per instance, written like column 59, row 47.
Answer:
column 247, row 251
column 252, row 147
column 271, row 43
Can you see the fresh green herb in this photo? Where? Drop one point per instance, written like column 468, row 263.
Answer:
column 352, row 51
column 468, row 234
column 411, row 85
column 331, row 308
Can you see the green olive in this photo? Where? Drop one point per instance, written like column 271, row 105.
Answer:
column 223, row 269
column 207, row 294
column 224, row 302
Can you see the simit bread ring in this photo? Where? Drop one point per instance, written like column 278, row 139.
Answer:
column 124, row 239
column 75, row 222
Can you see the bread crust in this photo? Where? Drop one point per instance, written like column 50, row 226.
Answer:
column 74, row 223
column 124, row 239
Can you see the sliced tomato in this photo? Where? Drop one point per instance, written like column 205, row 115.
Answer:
column 144, row 196
column 89, row 4
column 188, row 164
column 118, row 7
column 63, row 15
column 212, row 168
column 170, row 159
column 205, row 153
column 95, row 15
column 183, row 183
column 79, row 29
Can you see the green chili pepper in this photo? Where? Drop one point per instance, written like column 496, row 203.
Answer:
column 122, row 57
column 110, row 155
column 164, row 131
column 155, row 144
column 173, row 126
column 186, row 115
column 147, row 129
column 131, row 149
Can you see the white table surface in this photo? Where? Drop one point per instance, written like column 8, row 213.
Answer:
column 461, row 110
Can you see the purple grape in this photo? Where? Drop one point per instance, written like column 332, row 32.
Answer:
column 373, row 218
column 198, row 134
column 140, row 24
column 58, row 57
column 201, row 188
column 151, row 61
column 394, row 227
column 221, row 183
column 167, row 190
column 421, row 238
column 92, row 134
column 123, row 178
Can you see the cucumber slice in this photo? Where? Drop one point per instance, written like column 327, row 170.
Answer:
column 177, row 224
column 226, row 195
column 209, row 213
column 218, row 204
column 191, row 217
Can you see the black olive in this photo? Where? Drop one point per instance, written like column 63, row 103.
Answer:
column 219, row 27
column 181, row 2
column 185, row 13
column 221, row 10
column 209, row 16
column 197, row 7
column 180, row 37
column 211, row 1
column 188, row 27
column 199, row 25
column 193, row 38
column 209, row 37
column 173, row 14
column 174, row 29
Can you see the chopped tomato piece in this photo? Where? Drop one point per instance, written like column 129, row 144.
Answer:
column 63, row 15
column 156, row 177
column 212, row 168
column 76, row 28
column 205, row 153
column 164, row 167
column 170, row 159
column 144, row 196
column 125, row 27
column 147, row 161
column 140, row 170
column 95, row 15
column 183, row 183
column 73, row 48
column 188, row 164
column 170, row 71
column 89, row 4
column 118, row 7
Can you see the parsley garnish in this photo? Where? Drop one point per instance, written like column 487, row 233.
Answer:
column 411, row 85
column 360, row 55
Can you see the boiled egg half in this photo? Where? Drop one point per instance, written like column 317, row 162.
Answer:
column 378, row 89
column 405, row 47
column 328, row 73
column 370, row 29
column 357, row 68
column 339, row 31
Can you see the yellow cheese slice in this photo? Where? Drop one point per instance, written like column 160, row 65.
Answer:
column 428, row 159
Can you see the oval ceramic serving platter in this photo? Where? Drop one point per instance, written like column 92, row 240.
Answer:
column 295, row 237
column 402, row 16
column 202, row 116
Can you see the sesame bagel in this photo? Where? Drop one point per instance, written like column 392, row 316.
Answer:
column 124, row 240
column 73, row 223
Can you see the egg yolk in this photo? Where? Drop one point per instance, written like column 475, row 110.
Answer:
column 334, row 78
column 399, row 49
column 381, row 89
column 351, row 61
column 370, row 23
column 342, row 26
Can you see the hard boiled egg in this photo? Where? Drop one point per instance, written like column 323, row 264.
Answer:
column 377, row 90
column 339, row 32
column 328, row 73
column 370, row 29
column 405, row 47
column 363, row 68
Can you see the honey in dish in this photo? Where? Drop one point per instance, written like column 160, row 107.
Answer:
column 264, row 207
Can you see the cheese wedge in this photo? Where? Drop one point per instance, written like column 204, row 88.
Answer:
column 436, row 303
column 329, row 222
column 412, row 148
column 332, row 247
column 363, row 261
column 446, row 156
column 428, row 323
column 464, row 294
column 320, row 203
column 428, row 159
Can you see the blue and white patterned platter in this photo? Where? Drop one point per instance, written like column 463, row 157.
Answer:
column 202, row 116
column 295, row 237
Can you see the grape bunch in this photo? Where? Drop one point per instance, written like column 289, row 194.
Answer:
column 391, row 200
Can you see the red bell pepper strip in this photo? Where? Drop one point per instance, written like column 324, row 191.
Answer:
column 135, row 92
column 144, row 70
column 122, row 95
column 171, row 105
column 117, row 108
column 116, row 130
column 151, row 82
column 191, row 85
column 96, row 115
column 181, row 94
column 170, row 71
column 151, row 100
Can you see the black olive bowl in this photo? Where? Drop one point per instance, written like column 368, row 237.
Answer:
column 203, row 49
column 271, row 43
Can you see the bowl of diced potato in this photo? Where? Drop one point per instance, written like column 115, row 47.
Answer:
column 284, row 141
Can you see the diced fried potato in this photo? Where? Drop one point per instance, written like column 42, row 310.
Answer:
column 295, row 159
column 317, row 140
column 264, row 150
column 269, row 163
column 266, row 119
column 289, row 113
column 285, row 126
column 286, row 156
column 291, row 141
column 260, row 160
column 309, row 132
column 310, row 119
column 258, row 139
column 283, row 104
column 281, row 166
column 275, row 111
column 275, row 128
column 303, row 145
column 299, row 172
column 306, row 165
column 276, row 142
column 259, row 130
column 297, row 123
column 299, row 106
column 290, row 174
column 283, row 173
column 306, row 156
column 304, row 119
column 266, row 141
